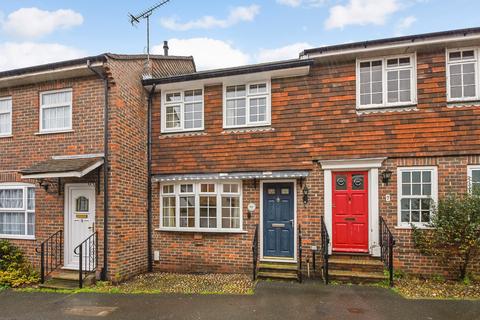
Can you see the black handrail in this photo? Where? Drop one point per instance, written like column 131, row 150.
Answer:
column 255, row 252
column 300, row 249
column 386, row 246
column 88, row 251
column 51, row 254
column 325, row 245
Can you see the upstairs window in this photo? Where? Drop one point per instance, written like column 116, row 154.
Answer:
column 462, row 75
column 5, row 116
column 182, row 111
column 386, row 82
column 417, row 192
column 56, row 111
column 247, row 105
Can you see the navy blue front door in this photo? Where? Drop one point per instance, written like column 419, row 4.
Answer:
column 278, row 220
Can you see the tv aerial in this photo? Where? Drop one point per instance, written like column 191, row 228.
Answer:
column 135, row 19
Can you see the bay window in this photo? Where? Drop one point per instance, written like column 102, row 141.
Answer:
column 417, row 193
column 182, row 111
column 474, row 179
column 17, row 211
column 201, row 206
column 247, row 105
column 386, row 82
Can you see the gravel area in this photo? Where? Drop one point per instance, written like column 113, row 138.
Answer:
column 182, row 283
column 436, row 289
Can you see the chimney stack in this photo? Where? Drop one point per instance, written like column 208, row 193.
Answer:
column 165, row 48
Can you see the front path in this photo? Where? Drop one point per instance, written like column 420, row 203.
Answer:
column 271, row 301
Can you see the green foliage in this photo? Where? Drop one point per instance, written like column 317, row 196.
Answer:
column 14, row 269
column 454, row 236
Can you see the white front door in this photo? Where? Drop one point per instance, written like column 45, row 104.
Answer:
column 79, row 219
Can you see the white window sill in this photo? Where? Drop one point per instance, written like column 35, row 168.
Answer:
column 6, row 136
column 181, row 131
column 53, row 132
column 200, row 230
column 463, row 103
column 388, row 106
column 410, row 227
column 16, row 237
column 248, row 126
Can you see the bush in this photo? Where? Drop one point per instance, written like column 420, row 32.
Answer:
column 15, row 271
column 455, row 234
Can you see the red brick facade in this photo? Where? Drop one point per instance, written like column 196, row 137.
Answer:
column 314, row 117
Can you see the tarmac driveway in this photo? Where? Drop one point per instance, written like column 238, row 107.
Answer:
column 272, row 300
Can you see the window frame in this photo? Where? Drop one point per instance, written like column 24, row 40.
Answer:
column 470, row 169
column 181, row 103
column 248, row 97
column 43, row 107
column 24, row 210
column 9, row 133
column 434, row 194
column 386, row 104
column 476, row 61
column 197, row 193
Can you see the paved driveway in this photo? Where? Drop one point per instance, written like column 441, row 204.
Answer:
column 271, row 301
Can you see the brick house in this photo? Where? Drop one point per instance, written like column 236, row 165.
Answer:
column 55, row 144
column 356, row 135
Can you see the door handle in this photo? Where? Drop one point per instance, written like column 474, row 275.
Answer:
column 92, row 227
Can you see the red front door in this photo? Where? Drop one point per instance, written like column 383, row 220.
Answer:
column 350, row 211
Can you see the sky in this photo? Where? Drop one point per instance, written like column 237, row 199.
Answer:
column 217, row 33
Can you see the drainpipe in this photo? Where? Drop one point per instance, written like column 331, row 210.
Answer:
column 149, row 180
column 106, row 167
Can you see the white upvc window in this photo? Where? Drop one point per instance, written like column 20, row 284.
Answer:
column 17, row 211
column 474, row 179
column 207, row 206
column 417, row 193
column 182, row 111
column 386, row 82
column 247, row 105
column 5, row 116
column 56, row 111
column 462, row 74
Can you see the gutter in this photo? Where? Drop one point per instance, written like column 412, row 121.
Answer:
column 106, row 170
column 149, row 181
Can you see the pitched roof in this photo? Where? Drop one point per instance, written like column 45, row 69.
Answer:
column 391, row 41
column 75, row 167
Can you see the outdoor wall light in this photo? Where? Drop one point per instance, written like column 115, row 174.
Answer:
column 305, row 195
column 386, row 175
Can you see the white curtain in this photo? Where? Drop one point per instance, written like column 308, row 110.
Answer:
column 12, row 223
column 11, row 198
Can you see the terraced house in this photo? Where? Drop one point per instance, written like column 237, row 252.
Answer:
column 61, row 126
column 270, row 168
column 349, row 143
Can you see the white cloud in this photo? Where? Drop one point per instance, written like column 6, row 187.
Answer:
column 290, row 51
column 208, row 53
column 290, row 3
column 404, row 24
column 361, row 12
column 18, row 55
column 34, row 23
column 236, row 15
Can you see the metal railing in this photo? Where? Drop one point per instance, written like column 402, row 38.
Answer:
column 386, row 248
column 325, row 245
column 255, row 252
column 51, row 254
column 300, row 249
column 87, row 252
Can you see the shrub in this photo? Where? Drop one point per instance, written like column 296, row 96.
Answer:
column 455, row 234
column 15, row 271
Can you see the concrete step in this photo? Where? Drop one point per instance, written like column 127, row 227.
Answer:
column 65, row 279
column 57, row 284
column 277, row 275
column 356, row 276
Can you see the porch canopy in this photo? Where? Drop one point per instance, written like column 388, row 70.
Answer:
column 62, row 168
column 231, row 176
